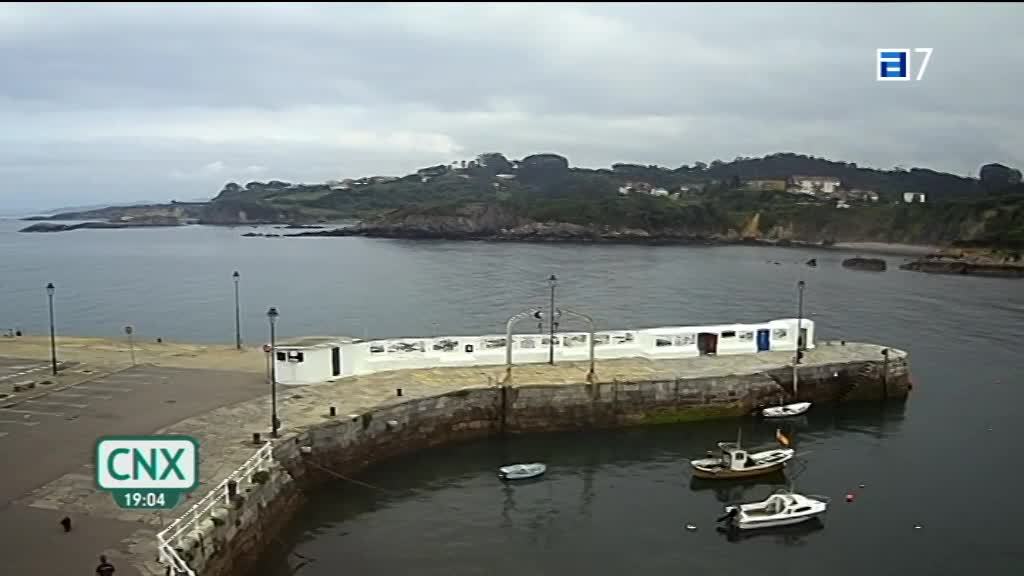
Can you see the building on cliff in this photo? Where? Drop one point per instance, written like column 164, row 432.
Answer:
column 816, row 185
column 318, row 359
column 776, row 184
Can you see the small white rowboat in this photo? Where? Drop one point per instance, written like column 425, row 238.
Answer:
column 786, row 410
column 521, row 471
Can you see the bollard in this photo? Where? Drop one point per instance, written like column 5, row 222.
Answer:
column 334, row 411
column 232, row 489
column 398, row 391
column 255, row 437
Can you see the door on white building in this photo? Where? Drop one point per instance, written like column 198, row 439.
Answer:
column 336, row 361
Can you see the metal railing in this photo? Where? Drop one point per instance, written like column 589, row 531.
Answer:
column 169, row 538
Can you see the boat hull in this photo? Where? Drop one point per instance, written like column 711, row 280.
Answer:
column 521, row 472
column 786, row 411
column 776, row 523
column 723, row 474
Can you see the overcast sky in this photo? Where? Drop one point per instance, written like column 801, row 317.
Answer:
column 114, row 103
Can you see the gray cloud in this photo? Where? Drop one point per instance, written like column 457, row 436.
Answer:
column 113, row 103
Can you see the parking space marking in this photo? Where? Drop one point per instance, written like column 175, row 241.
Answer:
column 22, row 422
column 102, row 388
column 22, row 371
column 2, row 410
column 58, row 403
column 77, row 395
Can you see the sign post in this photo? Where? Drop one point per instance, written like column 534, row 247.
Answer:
column 131, row 342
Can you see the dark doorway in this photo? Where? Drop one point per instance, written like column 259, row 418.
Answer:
column 707, row 343
column 763, row 342
column 802, row 341
column 336, row 361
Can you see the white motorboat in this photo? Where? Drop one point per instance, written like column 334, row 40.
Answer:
column 780, row 509
column 521, row 471
column 786, row 410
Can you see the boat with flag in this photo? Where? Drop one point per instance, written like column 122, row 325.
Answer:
column 734, row 461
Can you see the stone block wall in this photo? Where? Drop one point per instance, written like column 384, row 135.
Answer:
column 344, row 444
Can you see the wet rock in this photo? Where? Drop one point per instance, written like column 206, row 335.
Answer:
column 869, row 264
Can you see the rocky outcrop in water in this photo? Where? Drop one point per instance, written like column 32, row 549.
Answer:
column 967, row 265
column 869, row 264
column 154, row 221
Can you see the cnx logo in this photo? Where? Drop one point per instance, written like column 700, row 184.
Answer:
column 895, row 63
column 147, row 463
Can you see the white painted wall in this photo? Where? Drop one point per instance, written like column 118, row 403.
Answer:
column 314, row 367
column 404, row 353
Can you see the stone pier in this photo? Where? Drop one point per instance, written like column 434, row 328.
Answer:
column 372, row 421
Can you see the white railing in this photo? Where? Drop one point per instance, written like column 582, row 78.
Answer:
column 169, row 538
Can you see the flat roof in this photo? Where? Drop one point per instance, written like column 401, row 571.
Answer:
column 316, row 341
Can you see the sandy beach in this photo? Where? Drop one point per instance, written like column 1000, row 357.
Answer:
column 887, row 248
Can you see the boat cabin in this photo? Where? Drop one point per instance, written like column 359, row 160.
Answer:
column 734, row 457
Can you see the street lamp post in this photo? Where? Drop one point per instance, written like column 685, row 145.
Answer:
column 274, row 423
column 536, row 313
column 552, row 282
column 238, row 322
column 799, row 320
column 53, row 338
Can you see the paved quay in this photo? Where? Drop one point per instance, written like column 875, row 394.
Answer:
column 224, row 429
column 48, row 432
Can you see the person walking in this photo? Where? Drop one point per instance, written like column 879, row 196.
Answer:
column 105, row 568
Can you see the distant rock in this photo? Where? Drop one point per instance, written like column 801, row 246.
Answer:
column 967, row 265
column 869, row 264
column 142, row 222
column 47, row 227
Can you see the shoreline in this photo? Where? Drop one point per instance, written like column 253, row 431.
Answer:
column 895, row 248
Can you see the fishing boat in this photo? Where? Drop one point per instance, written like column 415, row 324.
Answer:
column 735, row 462
column 784, row 508
column 792, row 408
column 521, row 471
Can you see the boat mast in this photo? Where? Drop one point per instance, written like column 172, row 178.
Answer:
column 799, row 332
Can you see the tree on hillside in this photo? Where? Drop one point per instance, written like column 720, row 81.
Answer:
column 543, row 169
column 997, row 177
column 495, row 163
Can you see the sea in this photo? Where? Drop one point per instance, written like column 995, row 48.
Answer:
column 929, row 486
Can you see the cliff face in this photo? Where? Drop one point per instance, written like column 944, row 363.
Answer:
column 468, row 220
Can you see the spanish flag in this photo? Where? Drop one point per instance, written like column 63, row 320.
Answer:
column 782, row 438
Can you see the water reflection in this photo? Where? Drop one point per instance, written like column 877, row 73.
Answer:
column 740, row 489
column 795, row 535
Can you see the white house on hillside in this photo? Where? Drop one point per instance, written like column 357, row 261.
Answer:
column 910, row 197
column 816, row 185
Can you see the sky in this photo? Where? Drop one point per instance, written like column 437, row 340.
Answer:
column 120, row 103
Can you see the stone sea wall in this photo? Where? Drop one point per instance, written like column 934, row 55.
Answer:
column 235, row 539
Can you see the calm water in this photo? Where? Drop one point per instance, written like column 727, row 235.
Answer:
column 612, row 501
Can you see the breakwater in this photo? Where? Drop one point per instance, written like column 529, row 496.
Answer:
column 327, row 445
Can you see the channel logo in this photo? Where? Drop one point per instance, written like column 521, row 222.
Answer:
column 894, row 64
column 147, row 471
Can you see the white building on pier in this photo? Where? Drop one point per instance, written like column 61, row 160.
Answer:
column 318, row 359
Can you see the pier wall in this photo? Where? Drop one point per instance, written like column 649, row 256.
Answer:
column 345, row 443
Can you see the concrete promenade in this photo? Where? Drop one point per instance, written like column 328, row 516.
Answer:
column 224, row 425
